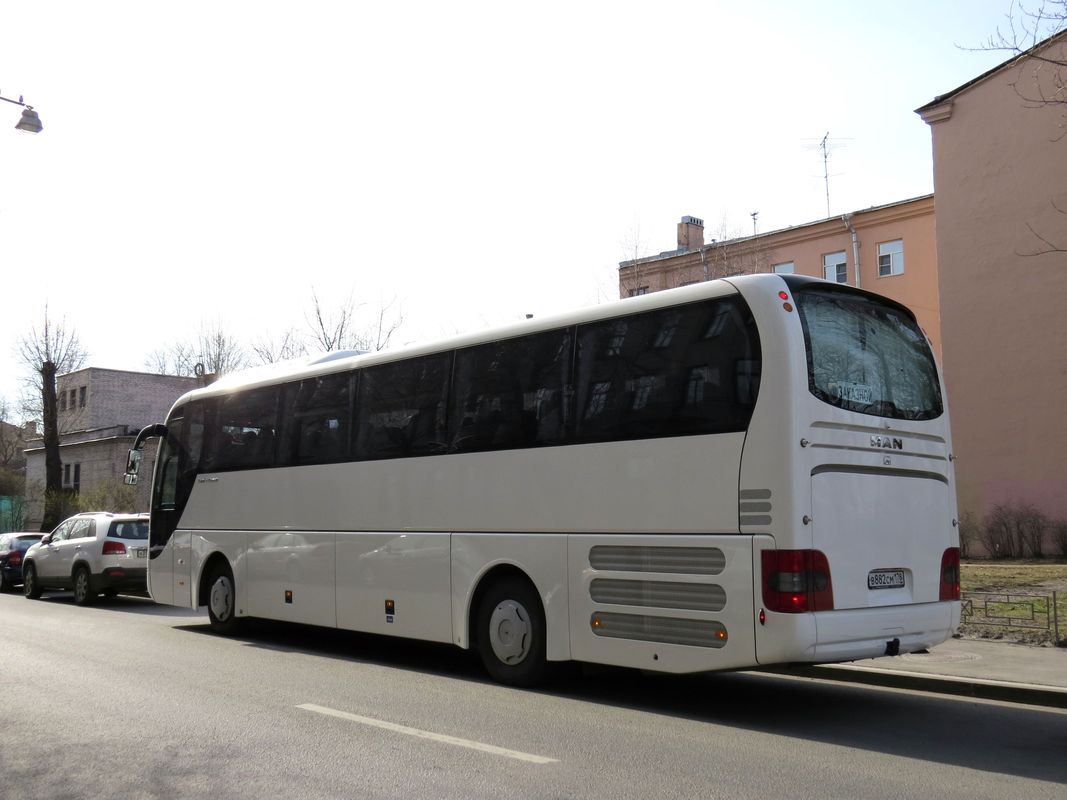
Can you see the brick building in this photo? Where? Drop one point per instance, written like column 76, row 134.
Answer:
column 100, row 412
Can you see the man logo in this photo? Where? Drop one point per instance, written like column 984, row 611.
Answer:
column 887, row 443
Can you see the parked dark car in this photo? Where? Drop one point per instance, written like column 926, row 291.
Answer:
column 13, row 547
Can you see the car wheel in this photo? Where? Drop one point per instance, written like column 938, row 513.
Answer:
column 83, row 588
column 511, row 633
column 222, row 602
column 30, row 587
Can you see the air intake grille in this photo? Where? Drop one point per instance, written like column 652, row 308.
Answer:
column 669, row 560
column 659, row 594
column 692, row 632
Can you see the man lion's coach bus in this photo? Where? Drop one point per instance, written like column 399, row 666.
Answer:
column 741, row 472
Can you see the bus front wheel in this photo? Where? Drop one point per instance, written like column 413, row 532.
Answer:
column 222, row 601
column 511, row 633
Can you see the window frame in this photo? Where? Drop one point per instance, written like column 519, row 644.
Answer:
column 896, row 258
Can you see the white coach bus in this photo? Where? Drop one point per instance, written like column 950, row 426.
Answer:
column 741, row 472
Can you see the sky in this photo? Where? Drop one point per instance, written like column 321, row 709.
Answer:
column 213, row 163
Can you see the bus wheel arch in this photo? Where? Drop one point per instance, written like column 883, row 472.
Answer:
column 506, row 620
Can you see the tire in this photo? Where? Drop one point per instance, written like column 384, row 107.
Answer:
column 222, row 602
column 5, row 584
column 83, row 587
column 30, row 587
column 511, row 633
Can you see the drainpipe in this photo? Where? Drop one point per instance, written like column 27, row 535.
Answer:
column 847, row 219
column 703, row 262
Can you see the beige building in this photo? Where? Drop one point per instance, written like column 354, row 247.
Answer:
column 888, row 249
column 1000, row 180
column 100, row 412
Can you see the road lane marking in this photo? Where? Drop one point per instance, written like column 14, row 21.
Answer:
column 434, row 737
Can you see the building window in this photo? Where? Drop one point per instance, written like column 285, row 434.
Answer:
column 66, row 474
column 81, row 397
column 786, row 268
column 62, row 401
column 638, row 290
column 73, row 399
column 76, row 484
column 835, row 267
column 891, row 258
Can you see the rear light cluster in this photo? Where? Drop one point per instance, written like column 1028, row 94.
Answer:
column 796, row 581
column 14, row 559
column 950, row 574
column 114, row 548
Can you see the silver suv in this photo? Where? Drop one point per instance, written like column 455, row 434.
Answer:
column 89, row 554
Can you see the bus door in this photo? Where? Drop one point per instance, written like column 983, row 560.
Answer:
column 169, row 569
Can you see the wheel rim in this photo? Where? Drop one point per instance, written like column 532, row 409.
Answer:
column 81, row 585
column 221, row 600
column 510, row 632
column 27, row 580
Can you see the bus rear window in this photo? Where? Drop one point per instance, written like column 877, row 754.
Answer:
column 866, row 355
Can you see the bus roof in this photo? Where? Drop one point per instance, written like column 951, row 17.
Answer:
column 329, row 363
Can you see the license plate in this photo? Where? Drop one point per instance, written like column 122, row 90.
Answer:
column 885, row 579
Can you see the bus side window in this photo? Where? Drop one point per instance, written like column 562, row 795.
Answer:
column 315, row 414
column 511, row 393
column 400, row 408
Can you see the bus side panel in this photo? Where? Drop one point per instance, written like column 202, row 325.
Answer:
column 291, row 576
column 543, row 559
column 233, row 546
column 665, row 603
column 395, row 584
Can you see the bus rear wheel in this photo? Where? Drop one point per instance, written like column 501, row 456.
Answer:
column 222, row 601
column 511, row 633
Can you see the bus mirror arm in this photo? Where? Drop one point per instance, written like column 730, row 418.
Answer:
column 133, row 460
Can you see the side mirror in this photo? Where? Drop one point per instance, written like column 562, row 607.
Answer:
column 46, row 539
column 133, row 466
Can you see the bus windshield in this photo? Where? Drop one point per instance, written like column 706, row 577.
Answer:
column 866, row 355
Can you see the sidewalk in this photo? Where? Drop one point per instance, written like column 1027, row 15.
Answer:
column 972, row 667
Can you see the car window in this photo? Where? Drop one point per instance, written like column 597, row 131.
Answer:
column 82, row 528
column 25, row 542
column 129, row 529
column 3, row 543
column 60, row 533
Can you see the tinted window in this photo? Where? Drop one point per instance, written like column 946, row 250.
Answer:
column 400, row 408
column 25, row 542
column 867, row 355
column 244, row 431
column 128, row 530
column 680, row 371
column 316, row 414
column 511, row 393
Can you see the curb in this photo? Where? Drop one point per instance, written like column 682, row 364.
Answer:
column 1022, row 693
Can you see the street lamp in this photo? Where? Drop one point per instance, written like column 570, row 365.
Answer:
column 30, row 121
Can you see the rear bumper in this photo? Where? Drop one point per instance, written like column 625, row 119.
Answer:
column 12, row 574
column 873, row 632
column 121, row 579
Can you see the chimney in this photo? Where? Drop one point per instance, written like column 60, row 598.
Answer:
column 690, row 233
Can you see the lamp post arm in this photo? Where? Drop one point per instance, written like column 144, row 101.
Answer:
column 15, row 102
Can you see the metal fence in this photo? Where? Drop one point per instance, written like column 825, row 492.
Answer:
column 1017, row 610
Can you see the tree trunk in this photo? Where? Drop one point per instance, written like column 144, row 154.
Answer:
column 53, row 466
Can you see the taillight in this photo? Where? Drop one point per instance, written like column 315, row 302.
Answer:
column 114, row 548
column 950, row 574
column 14, row 559
column 796, row 581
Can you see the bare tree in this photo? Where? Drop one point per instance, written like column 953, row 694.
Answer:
column 269, row 349
column 213, row 349
column 337, row 329
column 45, row 352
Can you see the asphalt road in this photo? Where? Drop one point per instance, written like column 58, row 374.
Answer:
column 127, row 699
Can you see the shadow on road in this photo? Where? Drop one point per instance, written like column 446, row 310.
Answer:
column 1008, row 740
